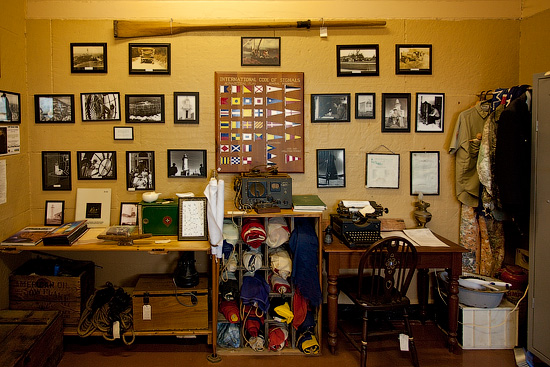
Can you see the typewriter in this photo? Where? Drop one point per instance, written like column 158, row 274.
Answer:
column 356, row 223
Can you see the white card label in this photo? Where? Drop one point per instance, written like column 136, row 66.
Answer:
column 116, row 330
column 404, row 342
column 147, row 312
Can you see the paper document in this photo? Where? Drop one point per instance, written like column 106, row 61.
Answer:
column 386, row 234
column 424, row 237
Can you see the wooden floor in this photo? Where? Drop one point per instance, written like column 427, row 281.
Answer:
column 172, row 352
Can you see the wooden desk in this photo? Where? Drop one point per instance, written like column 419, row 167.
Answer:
column 339, row 256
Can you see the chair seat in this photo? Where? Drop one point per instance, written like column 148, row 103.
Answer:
column 349, row 285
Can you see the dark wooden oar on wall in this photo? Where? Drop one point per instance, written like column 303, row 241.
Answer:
column 137, row 28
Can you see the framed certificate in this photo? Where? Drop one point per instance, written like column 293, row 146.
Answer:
column 382, row 171
column 192, row 219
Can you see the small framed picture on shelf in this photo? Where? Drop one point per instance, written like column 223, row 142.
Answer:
column 186, row 163
column 365, row 105
column 56, row 170
column 145, row 108
column 425, row 173
column 430, row 112
column 54, row 108
column 11, row 113
column 192, row 224
column 100, row 106
column 330, row 107
column 382, row 171
column 186, row 107
column 260, row 51
column 54, row 212
column 123, row 133
column 140, row 170
column 88, row 57
column 129, row 214
column 149, row 58
column 331, row 168
column 357, row 60
column 94, row 165
column 396, row 112
column 413, row 59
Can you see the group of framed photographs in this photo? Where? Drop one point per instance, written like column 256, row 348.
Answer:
column 382, row 170
column 102, row 165
column 396, row 110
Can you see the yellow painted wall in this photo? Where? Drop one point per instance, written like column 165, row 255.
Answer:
column 534, row 56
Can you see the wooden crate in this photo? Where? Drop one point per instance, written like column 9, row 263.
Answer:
column 167, row 313
column 30, row 338
column 34, row 287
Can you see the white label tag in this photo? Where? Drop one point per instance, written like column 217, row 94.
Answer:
column 147, row 312
column 404, row 342
column 323, row 32
column 116, row 330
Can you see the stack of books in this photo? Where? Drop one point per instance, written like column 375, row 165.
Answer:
column 307, row 203
column 28, row 236
column 66, row 234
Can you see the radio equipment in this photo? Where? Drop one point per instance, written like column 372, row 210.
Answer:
column 255, row 189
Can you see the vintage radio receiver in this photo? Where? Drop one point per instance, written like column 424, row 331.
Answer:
column 254, row 189
column 355, row 226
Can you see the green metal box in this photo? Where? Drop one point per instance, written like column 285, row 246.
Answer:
column 159, row 218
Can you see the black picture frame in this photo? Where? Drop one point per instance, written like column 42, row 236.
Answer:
column 145, row 108
column 10, row 107
column 100, row 106
column 357, row 60
column 89, row 57
column 53, row 108
column 54, row 212
column 56, row 171
column 186, row 163
column 396, row 112
column 413, row 59
column 425, row 172
column 330, row 107
column 96, row 165
column 149, row 58
column 365, row 106
column 260, row 51
column 331, row 168
column 186, row 107
column 123, row 132
column 140, row 170
column 430, row 112
column 192, row 221
column 129, row 214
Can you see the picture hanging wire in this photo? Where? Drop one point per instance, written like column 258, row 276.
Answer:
column 382, row 146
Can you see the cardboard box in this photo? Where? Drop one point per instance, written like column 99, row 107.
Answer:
column 33, row 286
column 158, row 305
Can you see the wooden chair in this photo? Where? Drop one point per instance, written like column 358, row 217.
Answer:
column 384, row 275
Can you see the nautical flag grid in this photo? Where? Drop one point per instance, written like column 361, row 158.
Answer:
column 259, row 121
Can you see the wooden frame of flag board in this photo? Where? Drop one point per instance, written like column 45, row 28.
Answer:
column 259, row 121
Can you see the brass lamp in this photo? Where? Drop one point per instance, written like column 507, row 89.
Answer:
column 421, row 214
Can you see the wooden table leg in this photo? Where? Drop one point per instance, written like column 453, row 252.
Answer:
column 454, row 274
column 332, row 312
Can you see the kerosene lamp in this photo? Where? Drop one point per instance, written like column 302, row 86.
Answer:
column 421, row 214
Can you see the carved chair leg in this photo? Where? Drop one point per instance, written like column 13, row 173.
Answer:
column 364, row 340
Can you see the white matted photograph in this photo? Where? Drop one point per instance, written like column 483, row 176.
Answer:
column 94, row 206
column 430, row 112
column 129, row 214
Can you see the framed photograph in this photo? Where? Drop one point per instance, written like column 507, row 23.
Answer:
column 10, row 107
column 413, row 59
column 185, row 163
column 54, row 108
column 100, row 106
column 123, row 133
column 330, row 107
column 365, row 105
column 93, row 165
column 56, row 171
column 54, row 213
column 186, row 107
column 382, row 171
column 396, row 112
column 425, row 173
column 129, row 214
column 94, row 206
column 331, row 168
column 430, row 112
column 192, row 224
column 149, row 58
column 140, row 170
column 145, row 108
column 260, row 51
column 88, row 57
column 357, row 60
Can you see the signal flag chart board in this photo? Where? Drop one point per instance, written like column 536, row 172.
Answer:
column 259, row 121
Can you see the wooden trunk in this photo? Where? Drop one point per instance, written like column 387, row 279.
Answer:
column 171, row 307
column 30, row 338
